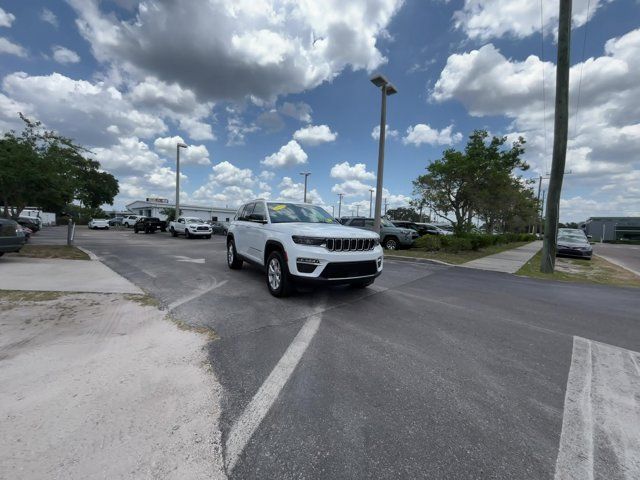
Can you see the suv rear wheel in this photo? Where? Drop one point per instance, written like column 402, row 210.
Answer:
column 233, row 261
column 278, row 280
column 390, row 243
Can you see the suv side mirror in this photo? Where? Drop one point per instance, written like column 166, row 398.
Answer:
column 258, row 218
column 589, row 237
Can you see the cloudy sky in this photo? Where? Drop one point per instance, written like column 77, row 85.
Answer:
column 264, row 89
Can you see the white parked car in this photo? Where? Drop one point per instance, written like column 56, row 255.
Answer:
column 130, row 220
column 96, row 223
column 190, row 227
column 297, row 242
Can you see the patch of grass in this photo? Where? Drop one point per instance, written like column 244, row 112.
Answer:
column 455, row 258
column 182, row 325
column 143, row 300
column 597, row 271
column 52, row 251
column 29, row 296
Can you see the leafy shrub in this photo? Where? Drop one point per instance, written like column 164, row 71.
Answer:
column 456, row 244
column 430, row 243
column 478, row 240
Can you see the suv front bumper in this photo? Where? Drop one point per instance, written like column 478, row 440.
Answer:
column 318, row 265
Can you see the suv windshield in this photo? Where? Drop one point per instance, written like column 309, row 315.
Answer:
column 292, row 212
column 386, row 223
column 194, row 220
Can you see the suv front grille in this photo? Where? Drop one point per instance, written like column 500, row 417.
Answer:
column 350, row 244
column 349, row 269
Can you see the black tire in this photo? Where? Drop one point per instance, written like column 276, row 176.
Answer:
column 278, row 280
column 135, row 230
column 391, row 243
column 233, row 261
column 173, row 232
column 186, row 233
column 362, row 283
column 1, row 253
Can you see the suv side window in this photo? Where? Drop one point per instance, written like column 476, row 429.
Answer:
column 368, row 223
column 259, row 212
column 357, row 222
column 246, row 211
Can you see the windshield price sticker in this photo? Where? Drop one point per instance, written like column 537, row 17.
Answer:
column 277, row 208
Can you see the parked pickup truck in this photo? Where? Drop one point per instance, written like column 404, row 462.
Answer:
column 149, row 225
column 190, row 227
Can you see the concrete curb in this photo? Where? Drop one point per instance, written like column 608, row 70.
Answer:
column 420, row 260
column 92, row 256
column 619, row 264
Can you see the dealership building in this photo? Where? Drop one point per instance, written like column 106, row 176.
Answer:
column 154, row 207
column 612, row 228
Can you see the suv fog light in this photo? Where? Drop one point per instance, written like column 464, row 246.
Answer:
column 379, row 262
column 313, row 261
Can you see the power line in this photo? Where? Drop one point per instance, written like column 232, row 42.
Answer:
column 584, row 47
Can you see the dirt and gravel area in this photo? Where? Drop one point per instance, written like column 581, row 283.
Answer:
column 103, row 386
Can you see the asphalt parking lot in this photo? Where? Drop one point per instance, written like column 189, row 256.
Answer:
column 434, row 372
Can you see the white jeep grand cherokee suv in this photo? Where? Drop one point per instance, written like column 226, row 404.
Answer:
column 297, row 242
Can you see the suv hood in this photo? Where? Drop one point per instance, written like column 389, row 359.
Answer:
column 322, row 230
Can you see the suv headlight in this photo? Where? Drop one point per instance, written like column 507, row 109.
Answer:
column 376, row 242
column 315, row 241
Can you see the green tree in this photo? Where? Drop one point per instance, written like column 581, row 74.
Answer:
column 42, row 168
column 401, row 213
column 170, row 212
column 476, row 181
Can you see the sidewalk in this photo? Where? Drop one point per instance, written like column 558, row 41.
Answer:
column 509, row 261
column 53, row 275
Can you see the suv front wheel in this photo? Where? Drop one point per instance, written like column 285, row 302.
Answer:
column 278, row 280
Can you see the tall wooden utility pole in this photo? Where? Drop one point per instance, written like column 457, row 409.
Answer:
column 560, row 130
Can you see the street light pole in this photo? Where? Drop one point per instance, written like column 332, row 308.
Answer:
column 306, row 174
column 386, row 88
column 370, row 201
column 340, row 195
column 179, row 145
column 357, row 210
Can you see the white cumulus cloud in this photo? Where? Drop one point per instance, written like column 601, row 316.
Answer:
column 346, row 171
column 315, row 135
column 10, row 48
column 389, row 132
column 244, row 48
column 288, row 155
column 64, row 56
column 423, row 133
column 192, row 155
column 6, row 18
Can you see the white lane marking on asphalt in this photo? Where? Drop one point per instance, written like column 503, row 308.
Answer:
column 195, row 295
column 601, row 423
column 248, row 422
column 147, row 272
column 181, row 258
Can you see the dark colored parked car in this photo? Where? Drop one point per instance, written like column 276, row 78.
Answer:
column 573, row 244
column 421, row 229
column 31, row 223
column 115, row 221
column 219, row 228
column 149, row 225
column 12, row 237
